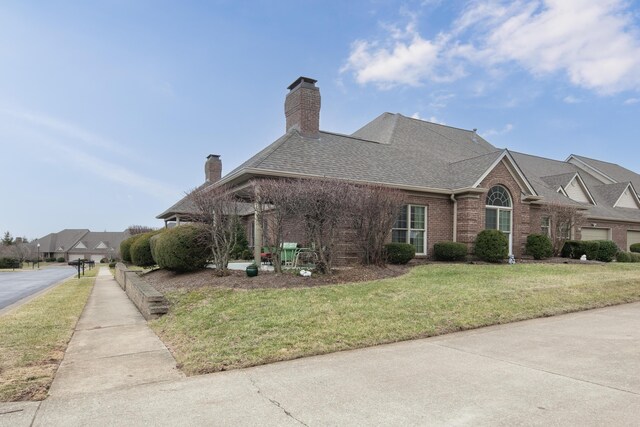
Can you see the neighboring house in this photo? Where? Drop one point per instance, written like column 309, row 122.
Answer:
column 457, row 183
column 72, row 244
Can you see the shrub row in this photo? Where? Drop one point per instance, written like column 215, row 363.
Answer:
column 140, row 249
column 635, row 248
column 125, row 247
column 599, row 250
column 10, row 263
column 628, row 257
column 450, row 251
column 179, row 249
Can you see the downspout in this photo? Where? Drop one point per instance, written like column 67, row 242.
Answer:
column 455, row 217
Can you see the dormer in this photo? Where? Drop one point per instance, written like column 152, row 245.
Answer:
column 80, row 245
column 572, row 186
column 101, row 245
column 628, row 198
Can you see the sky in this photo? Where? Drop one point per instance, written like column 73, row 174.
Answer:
column 108, row 109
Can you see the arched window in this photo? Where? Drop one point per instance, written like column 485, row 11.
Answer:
column 499, row 212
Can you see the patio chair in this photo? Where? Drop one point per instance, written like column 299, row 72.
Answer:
column 288, row 253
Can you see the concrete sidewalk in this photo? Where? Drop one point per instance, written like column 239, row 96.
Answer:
column 577, row 369
column 112, row 346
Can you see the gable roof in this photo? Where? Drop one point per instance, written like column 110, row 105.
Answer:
column 64, row 239
column 92, row 239
column 611, row 171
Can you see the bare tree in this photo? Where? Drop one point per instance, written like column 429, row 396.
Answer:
column 563, row 219
column 139, row 229
column 323, row 208
column 216, row 212
column 374, row 210
column 279, row 207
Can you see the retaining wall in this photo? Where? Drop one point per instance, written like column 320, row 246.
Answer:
column 148, row 300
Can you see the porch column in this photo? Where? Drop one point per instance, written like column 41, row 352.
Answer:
column 257, row 232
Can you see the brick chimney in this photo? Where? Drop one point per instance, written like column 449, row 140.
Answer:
column 302, row 107
column 213, row 168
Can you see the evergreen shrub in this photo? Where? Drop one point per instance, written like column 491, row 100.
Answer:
column 492, row 246
column 450, row 251
column 399, row 253
column 539, row 246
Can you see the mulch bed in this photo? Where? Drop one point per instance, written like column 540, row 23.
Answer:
column 165, row 281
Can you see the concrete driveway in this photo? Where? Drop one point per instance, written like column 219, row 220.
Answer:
column 577, row 369
column 17, row 285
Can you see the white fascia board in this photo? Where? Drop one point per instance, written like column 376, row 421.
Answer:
column 584, row 187
column 633, row 194
column 561, row 191
column 520, row 178
column 599, row 172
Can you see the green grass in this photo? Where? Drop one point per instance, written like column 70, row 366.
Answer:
column 210, row 330
column 34, row 336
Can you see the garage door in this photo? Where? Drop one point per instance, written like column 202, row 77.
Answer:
column 73, row 257
column 595, row 233
column 632, row 237
column 96, row 258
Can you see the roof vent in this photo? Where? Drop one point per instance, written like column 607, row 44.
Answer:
column 474, row 137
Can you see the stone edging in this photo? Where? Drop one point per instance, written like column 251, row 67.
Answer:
column 151, row 303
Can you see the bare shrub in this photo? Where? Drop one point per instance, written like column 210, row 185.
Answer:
column 373, row 211
column 216, row 212
column 139, row 229
column 563, row 218
column 278, row 206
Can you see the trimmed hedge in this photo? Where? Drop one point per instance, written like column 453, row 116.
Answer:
column 628, row 257
column 607, row 251
column 180, row 249
column 60, row 259
column 399, row 253
column 576, row 248
column 492, row 246
column 450, row 251
column 140, row 250
column 10, row 263
column 599, row 250
column 125, row 247
column 635, row 248
column 539, row 246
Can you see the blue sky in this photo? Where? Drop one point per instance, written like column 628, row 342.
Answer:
column 108, row 109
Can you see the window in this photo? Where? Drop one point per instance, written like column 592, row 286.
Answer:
column 498, row 212
column 545, row 226
column 411, row 227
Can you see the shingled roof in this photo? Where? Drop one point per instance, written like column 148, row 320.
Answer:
column 392, row 149
column 615, row 172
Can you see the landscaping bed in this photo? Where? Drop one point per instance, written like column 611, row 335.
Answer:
column 209, row 328
column 166, row 281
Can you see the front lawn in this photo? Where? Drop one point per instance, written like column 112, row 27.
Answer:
column 211, row 329
column 34, row 337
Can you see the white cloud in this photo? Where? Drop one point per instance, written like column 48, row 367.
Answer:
column 497, row 132
column 594, row 44
column 631, row 101
column 432, row 119
column 570, row 99
column 405, row 59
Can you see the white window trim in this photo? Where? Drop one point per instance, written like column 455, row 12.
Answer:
column 409, row 229
column 502, row 208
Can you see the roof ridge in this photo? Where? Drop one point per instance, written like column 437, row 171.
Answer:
column 544, row 158
column 598, row 160
column 434, row 123
column 499, row 150
column 344, row 135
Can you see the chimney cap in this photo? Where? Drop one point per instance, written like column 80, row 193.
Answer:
column 217, row 156
column 301, row 80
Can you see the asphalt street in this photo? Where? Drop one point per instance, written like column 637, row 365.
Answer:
column 17, row 285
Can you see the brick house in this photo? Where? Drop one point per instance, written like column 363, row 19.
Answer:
column 457, row 183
